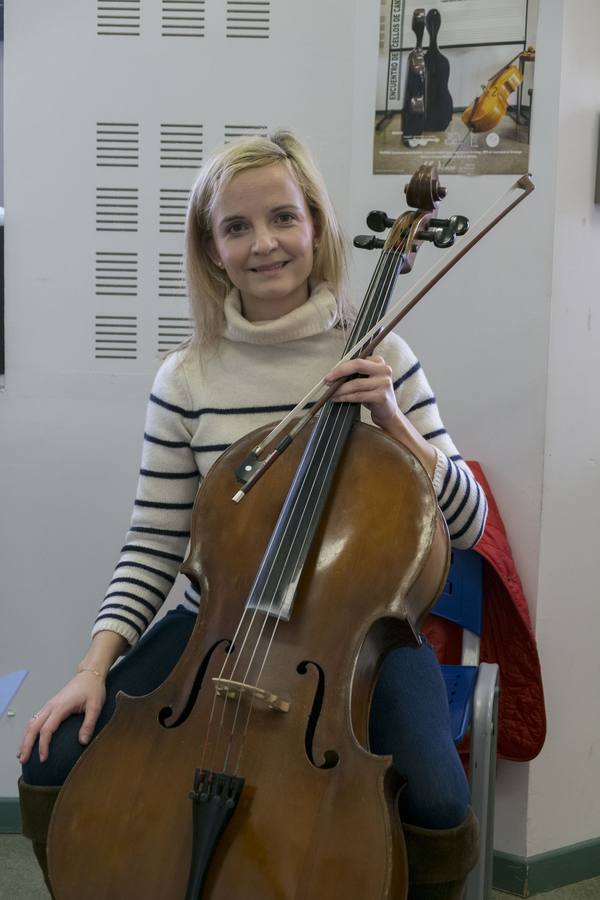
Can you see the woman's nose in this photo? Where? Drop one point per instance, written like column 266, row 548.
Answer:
column 264, row 241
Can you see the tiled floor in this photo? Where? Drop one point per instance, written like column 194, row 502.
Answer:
column 20, row 878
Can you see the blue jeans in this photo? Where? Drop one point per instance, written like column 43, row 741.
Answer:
column 409, row 720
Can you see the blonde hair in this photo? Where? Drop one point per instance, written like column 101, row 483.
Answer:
column 207, row 284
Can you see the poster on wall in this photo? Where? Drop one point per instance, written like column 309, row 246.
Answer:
column 455, row 86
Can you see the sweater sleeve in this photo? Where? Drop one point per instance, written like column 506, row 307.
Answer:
column 160, row 525
column 461, row 499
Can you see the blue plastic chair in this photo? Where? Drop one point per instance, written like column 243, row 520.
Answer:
column 473, row 694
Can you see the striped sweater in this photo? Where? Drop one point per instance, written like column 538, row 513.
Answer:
column 198, row 407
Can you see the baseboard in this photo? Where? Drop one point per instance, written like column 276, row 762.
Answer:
column 547, row 871
column 514, row 874
column 10, row 816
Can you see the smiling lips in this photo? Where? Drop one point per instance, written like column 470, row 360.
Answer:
column 273, row 267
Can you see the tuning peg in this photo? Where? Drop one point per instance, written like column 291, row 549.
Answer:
column 368, row 242
column 378, row 220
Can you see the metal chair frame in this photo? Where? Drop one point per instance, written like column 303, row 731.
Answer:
column 461, row 602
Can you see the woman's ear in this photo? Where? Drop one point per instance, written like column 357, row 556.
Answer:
column 211, row 249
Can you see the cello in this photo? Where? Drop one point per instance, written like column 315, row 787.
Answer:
column 247, row 773
column 486, row 110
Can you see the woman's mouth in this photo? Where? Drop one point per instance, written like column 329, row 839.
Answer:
column 273, row 267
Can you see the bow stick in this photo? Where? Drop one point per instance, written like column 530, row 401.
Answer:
column 252, row 469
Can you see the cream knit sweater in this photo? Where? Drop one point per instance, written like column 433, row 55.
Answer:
column 198, row 407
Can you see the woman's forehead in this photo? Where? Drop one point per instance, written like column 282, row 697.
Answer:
column 260, row 187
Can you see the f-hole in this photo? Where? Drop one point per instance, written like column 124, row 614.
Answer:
column 331, row 757
column 167, row 711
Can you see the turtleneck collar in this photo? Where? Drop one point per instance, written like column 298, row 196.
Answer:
column 318, row 314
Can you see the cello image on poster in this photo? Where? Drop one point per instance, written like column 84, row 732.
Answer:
column 454, row 87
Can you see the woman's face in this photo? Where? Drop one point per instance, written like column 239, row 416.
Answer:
column 263, row 235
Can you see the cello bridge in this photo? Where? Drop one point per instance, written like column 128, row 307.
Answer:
column 232, row 690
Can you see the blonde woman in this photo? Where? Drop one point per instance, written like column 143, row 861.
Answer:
column 266, row 276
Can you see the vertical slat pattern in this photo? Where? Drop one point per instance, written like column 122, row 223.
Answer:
column 248, row 18
column 117, row 209
column 118, row 144
column 171, row 282
column 118, row 17
column 116, row 274
column 116, row 337
column 183, row 18
column 181, row 146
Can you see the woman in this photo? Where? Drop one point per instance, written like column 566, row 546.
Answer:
column 266, row 278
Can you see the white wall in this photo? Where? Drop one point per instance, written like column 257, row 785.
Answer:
column 565, row 780
column 71, row 425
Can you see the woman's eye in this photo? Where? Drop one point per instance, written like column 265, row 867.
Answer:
column 235, row 228
column 286, row 218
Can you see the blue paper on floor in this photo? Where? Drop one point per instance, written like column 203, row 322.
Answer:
column 9, row 685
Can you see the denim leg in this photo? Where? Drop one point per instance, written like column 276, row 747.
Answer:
column 410, row 720
column 142, row 670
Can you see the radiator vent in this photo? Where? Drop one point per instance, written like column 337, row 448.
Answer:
column 117, row 209
column 118, row 144
column 248, row 18
column 116, row 337
column 171, row 282
column 173, row 206
column 183, row 18
column 116, row 274
column 119, row 17
column 181, row 146
column 237, row 131
column 172, row 330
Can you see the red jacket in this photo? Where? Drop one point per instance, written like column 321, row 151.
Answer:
column 507, row 639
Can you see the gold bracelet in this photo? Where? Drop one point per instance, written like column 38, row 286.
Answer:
column 93, row 671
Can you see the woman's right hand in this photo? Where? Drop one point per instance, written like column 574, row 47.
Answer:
column 84, row 693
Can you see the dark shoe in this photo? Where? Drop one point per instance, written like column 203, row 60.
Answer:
column 439, row 860
column 37, row 804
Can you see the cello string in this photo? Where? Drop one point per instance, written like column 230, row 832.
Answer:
column 336, row 411
column 385, row 262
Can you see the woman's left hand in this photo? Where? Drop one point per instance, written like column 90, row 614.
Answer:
column 375, row 389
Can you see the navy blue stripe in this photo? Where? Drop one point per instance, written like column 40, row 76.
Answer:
column 192, row 600
column 210, row 448
column 220, row 411
column 444, row 506
column 140, row 583
column 138, row 565
column 483, row 521
column 456, row 458
column 151, row 474
column 127, row 609
column 446, row 479
column 131, row 597
column 187, row 413
column 461, row 505
column 408, row 374
column 151, row 505
column 121, row 619
column 151, row 552
column 175, row 444
column 432, row 434
column 429, row 402
column 469, row 521
column 165, row 532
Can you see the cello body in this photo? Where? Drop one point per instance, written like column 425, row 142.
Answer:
column 415, row 94
column 318, row 815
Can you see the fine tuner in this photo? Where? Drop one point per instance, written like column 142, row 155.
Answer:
column 441, row 232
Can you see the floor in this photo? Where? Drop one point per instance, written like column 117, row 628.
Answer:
column 20, row 878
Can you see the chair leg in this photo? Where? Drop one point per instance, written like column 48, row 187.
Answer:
column 483, row 775
column 37, row 804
